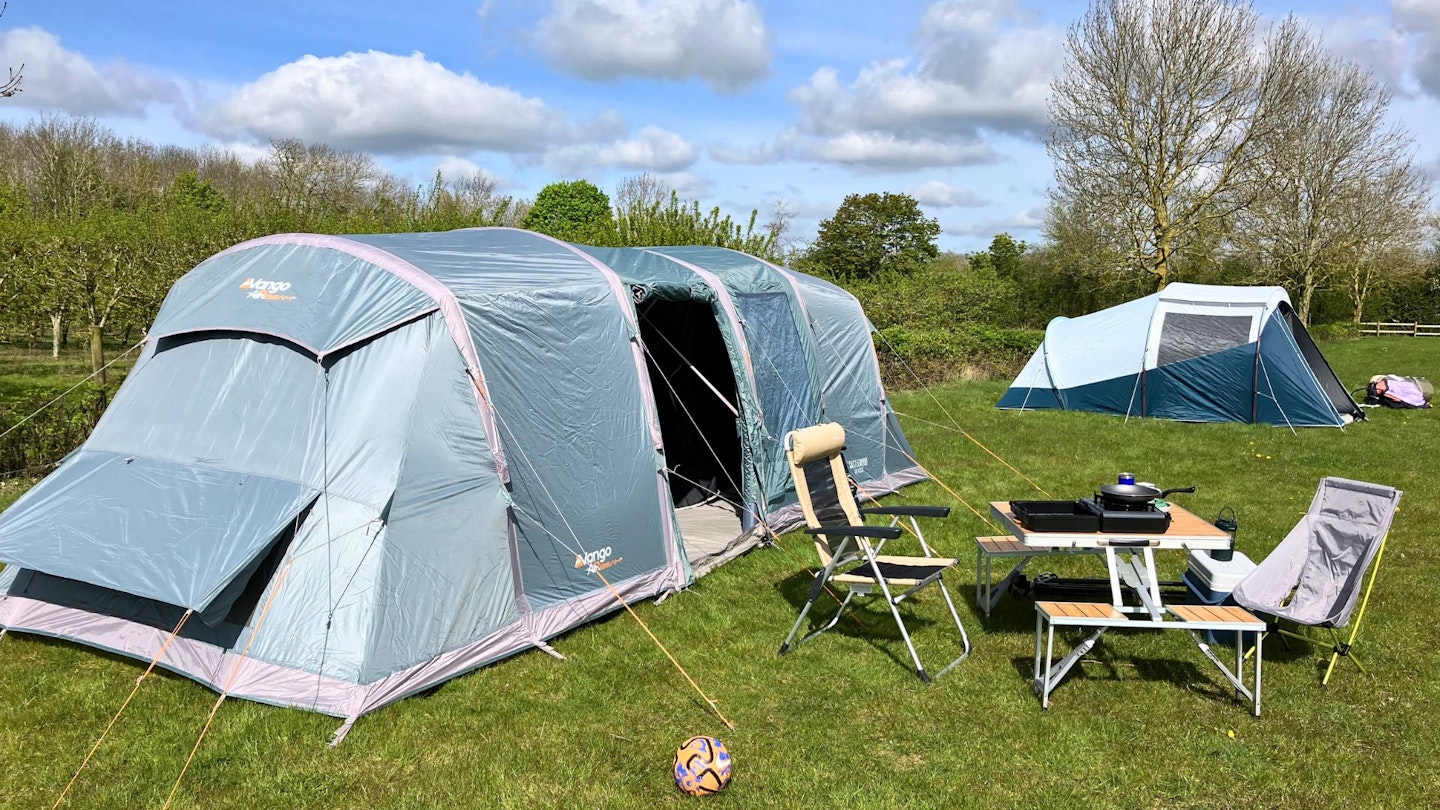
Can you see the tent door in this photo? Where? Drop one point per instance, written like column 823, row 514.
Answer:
column 695, row 396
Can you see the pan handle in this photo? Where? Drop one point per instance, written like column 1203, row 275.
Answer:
column 1177, row 489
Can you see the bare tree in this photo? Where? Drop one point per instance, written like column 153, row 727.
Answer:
column 1336, row 193
column 1390, row 253
column 1154, row 115
column 11, row 85
column 640, row 192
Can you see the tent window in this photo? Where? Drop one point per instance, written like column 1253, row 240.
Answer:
column 701, row 435
column 1185, row 335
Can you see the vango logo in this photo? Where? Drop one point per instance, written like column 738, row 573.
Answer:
column 265, row 290
column 597, row 560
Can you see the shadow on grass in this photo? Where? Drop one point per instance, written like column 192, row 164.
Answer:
column 1103, row 663
column 866, row 618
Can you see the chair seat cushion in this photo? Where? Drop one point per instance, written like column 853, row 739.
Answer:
column 907, row 571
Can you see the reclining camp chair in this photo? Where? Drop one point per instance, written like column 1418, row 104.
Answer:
column 1314, row 576
column 850, row 559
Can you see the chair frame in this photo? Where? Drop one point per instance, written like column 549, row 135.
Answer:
column 855, row 546
column 1338, row 649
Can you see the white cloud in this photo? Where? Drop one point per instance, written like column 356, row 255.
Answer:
column 722, row 42
column 688, row 185
column 1415, row 15
column 977, row 67
column 244, row 151
column 386, row 103
column 652, row 150
column 938, row 194
column 879, row 150
column 59, row 79
column 1431, row 168
column 1031, row 219
column 1369, row 40
column 454, row 167
column 866, row 150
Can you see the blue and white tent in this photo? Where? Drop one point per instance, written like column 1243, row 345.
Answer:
column 1191, row 352
column 365, row 465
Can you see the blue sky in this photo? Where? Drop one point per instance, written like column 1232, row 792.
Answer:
column 741, row 103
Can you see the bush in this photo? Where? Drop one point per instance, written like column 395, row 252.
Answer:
column 910, row 357
column 1339, row 330
column 34, row 447
column 941, row 295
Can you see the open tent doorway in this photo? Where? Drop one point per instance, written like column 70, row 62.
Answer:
column 695, row 396
column 696, row 400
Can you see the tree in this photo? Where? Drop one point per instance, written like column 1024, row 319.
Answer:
column 1003, row 257
column 575, row 211
column 649, row 213
column 1154, row 115
column 874, row 234
column 471, row 201
column 1336, row 193
column 10, row 86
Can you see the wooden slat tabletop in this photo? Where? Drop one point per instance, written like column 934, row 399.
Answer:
column 1080, row 610
column 1213, row 613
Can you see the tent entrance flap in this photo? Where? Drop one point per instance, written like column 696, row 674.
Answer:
column 1334, row 390
column 175, row 533
column 695, row 395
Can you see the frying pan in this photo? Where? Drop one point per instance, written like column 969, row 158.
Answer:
column 1136, row 494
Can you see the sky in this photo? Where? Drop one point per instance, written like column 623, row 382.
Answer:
column 739, row 103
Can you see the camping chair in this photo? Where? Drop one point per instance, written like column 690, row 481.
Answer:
column 841, row 537
column 1314, row 576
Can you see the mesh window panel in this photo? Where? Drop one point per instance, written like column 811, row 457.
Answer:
column 1184, row 335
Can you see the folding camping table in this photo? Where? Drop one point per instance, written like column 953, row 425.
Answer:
column 1129, row 557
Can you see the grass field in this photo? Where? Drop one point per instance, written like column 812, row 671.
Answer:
column 842, row 722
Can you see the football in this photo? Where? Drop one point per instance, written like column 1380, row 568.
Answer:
column 702, row 766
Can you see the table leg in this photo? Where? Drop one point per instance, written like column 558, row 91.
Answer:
column 1154, row 577
column 1114, row 578
column 1239, row 659
column 982, row 566
column 1049, row 660
column 1039, row 630
column 1259, row 637
column 1141, row 580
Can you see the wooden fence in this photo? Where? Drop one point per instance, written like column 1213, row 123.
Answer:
column 1411, row 329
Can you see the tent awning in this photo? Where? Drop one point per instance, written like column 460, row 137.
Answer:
column 171, row 532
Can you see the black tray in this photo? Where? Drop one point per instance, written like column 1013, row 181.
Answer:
column 1055, row 516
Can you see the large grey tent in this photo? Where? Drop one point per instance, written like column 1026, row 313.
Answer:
column 369, row 464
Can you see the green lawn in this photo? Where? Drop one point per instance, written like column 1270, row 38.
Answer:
column 842, row 722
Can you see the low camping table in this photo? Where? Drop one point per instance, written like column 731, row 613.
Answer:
column 1129, row 557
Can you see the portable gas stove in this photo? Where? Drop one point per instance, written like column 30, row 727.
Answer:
column 1121, row 518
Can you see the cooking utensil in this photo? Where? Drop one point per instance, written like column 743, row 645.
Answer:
column 1135, row 494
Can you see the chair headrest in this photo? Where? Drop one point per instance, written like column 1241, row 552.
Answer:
column 811, row 443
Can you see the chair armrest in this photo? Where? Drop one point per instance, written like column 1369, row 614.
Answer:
column 908, row 511
column 883, row 532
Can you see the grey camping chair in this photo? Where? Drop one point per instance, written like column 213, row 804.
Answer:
column 843, row 541
column 1316, row 574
